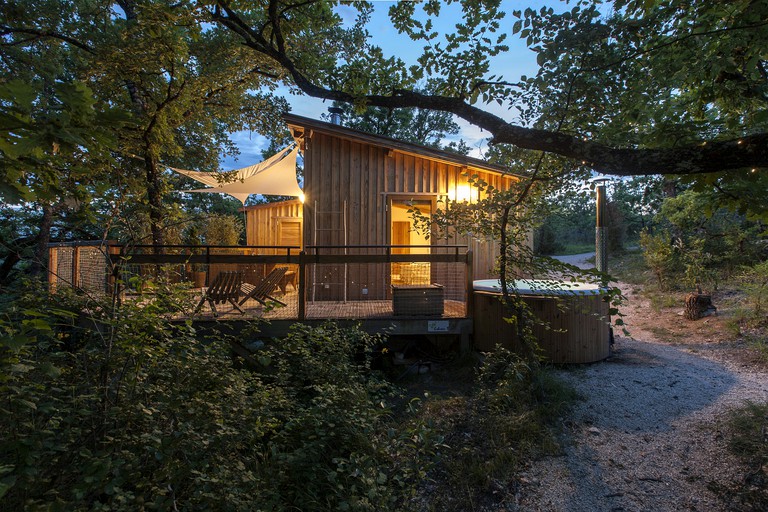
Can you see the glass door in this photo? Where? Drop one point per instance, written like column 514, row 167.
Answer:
column 406, row 236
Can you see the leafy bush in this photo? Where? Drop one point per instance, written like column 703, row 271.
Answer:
column 696, row 246
column 508, row 419
column 754, row 284
column 220, row 229
column 546, row 240
column 122, row 410
column 659, row 255
column 747, row 427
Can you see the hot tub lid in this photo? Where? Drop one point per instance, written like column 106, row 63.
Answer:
column 539, row 287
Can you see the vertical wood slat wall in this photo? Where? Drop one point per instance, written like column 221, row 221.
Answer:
column 263, row 222
column 263, row 228
column 362, row 174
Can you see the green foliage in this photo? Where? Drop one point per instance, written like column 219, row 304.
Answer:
column 747, row 426
column 45, row 136
column 568, row 219
column 751, row 320
column 221, row 230
column 418, row 126
column 615, row 228
column 655, row 74
column 754, row 284
column 695, row 244
column 659, row 255
column 510, row 417
column 337, row 439
column 122, row 410
column 638, row 199
column 546, row 240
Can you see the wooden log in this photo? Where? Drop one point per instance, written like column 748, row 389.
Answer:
column 697, row 305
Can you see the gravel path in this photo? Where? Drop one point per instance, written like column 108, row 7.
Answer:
column 647, row 435
column 578, row 260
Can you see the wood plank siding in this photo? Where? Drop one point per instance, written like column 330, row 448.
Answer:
column 275, row 224
column 350, row 180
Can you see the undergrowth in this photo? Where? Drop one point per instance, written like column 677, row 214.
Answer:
column 121, row 410
column 508, row 418
column 749, row 441
column 111, row 407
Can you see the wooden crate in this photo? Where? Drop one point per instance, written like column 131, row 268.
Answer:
column 417, row 300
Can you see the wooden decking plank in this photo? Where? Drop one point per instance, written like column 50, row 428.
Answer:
column 334, row 310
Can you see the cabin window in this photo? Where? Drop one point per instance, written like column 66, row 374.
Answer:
column 406, row 238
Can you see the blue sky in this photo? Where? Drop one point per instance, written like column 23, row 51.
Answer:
column 519, row 60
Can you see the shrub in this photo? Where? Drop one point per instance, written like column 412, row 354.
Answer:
column 121, row 410
column 697, row 245
column 220, row 229
column 510, row 418
column 747, row 427
column 659, row 255
column 546, row 240
column 754, row 284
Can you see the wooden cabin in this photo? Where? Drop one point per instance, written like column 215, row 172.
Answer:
column 358, row 188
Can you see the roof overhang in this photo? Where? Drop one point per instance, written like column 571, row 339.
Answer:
column 302, row 129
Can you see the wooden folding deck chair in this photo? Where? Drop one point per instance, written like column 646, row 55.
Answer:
column 225, row 288
column 262, row 291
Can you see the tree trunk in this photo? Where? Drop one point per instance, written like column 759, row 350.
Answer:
column 40, row 260
column 155, row 199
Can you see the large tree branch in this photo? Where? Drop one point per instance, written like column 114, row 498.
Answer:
column 705, row 157
column 45, row 34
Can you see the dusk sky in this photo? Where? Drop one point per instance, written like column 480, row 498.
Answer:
column 511, row 65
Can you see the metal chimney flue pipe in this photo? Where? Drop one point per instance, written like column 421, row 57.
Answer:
column 336, row 113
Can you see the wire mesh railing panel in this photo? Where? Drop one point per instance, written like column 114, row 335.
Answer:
column 394, row 277
column 350, row 282
column 63, row 273
column 93, row 269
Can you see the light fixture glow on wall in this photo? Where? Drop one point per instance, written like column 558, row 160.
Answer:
column 463, row 194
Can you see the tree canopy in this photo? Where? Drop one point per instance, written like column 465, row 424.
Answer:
column 626, row 88
column 117, row 88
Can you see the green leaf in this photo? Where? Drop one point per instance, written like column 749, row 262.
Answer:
column 50, row 370
column 6, row 484
column 17, row 342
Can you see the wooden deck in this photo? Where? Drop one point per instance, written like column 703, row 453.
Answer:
column 374, row 316
column 326, row 310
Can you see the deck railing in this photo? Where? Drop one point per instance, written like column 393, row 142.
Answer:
column 322, row 281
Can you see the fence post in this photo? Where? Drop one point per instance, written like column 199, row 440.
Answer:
column 53, row 268
column 465, row 344
column 302, row 286
column 207, row 265
column 470, row 286
column 76, row 267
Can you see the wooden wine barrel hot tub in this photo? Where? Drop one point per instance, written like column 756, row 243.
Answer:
column 577, row 314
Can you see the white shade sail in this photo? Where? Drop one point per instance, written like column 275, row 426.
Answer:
column 274, row 176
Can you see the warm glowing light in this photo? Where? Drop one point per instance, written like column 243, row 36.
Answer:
column 740, row 142
column 463, row 194
column 301, row 198
column 754, row 170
